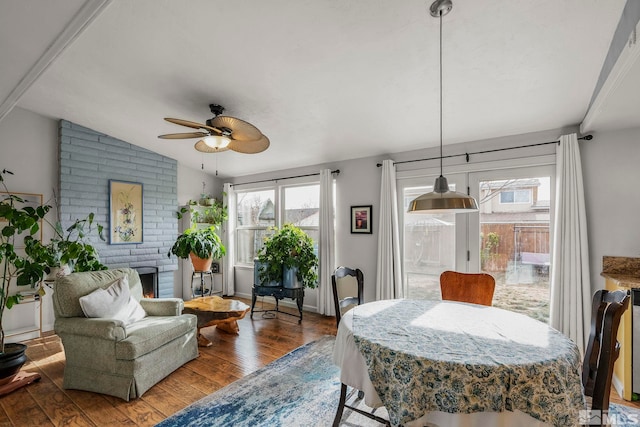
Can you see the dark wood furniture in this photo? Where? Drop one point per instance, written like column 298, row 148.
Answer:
column 603, row 348
column 278, row 292
column 342, row 298
column 475, row 288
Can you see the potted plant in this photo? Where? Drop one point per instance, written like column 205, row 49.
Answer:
column 288, row 257
column 17, row 221
column 202, row 245
column 213, row 214
column 205, row 198
column 69, row 250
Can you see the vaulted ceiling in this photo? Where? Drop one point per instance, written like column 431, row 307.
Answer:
column 325, row 80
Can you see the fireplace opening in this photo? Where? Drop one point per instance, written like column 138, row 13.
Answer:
column 149, row 280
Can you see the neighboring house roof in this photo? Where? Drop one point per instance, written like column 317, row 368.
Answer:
column 512, row 184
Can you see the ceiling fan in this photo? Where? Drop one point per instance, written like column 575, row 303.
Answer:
column 222, row 133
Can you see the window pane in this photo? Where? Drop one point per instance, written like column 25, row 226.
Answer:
column 506, row 197
column 256, row 208
column 248, row 244
column 429, row 247
column 522, row 196
column 514, row 243
column 302, row 205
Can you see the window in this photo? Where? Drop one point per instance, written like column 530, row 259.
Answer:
column 515, row 243
column 255, row 214
column 257, row 210
column 515, row 196
column 508, row 238
column 430, row 241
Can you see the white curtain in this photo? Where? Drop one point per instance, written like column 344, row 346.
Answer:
column 570, row 284
column 389, row 273
column 327, row 244
column 228, row 282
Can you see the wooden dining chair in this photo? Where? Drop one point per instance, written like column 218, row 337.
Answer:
column 476, row 288
column 603, row 347
column 348, row 287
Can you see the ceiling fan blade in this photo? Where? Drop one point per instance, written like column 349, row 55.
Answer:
column 240, row 130
column 250, row 147
column 186, row 123
column 195, row 125
column 184, row 135
column 204, row 148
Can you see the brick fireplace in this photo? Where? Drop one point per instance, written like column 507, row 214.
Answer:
column 149, row 280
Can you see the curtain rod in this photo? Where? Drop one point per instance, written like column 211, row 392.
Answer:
column 586, row 138
column 286, row 177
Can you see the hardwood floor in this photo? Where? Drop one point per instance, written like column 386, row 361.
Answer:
column 231, row 357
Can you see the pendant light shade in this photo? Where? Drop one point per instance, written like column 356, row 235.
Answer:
column 441, row 199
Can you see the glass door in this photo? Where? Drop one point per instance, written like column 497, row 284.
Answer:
column 511, row 239
column 431, row 243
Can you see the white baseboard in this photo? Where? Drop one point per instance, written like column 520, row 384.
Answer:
column 287, row 302
column 617, row 384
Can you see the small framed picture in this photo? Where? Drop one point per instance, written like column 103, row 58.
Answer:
column 361, row 219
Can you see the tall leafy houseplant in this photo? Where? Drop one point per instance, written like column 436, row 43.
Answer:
column 18, row 221
column 289, row 248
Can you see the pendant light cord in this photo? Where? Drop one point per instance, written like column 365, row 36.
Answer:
column 440, row 18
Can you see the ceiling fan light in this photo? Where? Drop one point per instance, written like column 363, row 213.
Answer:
column 215, row 141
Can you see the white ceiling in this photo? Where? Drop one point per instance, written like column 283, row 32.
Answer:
column 325, row 80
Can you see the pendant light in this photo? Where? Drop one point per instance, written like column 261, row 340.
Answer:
column 441, row 199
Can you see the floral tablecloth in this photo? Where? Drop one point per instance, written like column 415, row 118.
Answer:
column 462, row 358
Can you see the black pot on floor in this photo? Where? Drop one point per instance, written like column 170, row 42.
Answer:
column 11, row 361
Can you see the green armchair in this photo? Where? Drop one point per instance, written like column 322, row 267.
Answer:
column 109, row 356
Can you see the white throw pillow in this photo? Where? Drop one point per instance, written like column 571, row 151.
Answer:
column 131, row 312
column 106, row 302
column 115, row 302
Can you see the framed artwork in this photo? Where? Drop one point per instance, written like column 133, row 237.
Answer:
column 361, row 219
column 125, row 207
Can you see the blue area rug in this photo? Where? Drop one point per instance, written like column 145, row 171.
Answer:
column 301, row 388
column 623, row 416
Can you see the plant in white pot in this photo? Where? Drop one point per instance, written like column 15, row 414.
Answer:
column 18, row 221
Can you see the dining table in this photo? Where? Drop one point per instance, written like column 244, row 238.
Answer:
column 445, row 363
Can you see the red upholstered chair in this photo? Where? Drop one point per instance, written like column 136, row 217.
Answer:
column 476, row 288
